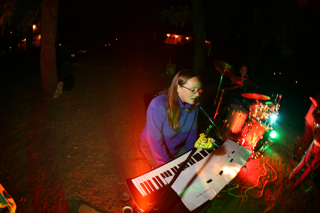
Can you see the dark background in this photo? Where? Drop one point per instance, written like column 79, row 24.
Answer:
column 269, row 37
column 232, row 34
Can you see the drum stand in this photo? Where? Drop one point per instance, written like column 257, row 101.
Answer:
column 220, row 99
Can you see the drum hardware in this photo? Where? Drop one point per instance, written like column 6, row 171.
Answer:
column 220, row 99
column 263, row 112
column 255, row 96
column 219, row 102
column 226, row 70
column 254, row 134
column 241, row 81
column 262, row 146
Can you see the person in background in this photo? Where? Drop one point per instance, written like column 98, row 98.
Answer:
column 171, row 127
column 307, row 135
column 235, row 94
column 311, row 159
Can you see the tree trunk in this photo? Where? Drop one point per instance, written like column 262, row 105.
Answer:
column 199, row 31
column 48, row 66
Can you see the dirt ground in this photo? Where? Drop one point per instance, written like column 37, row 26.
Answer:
column 57, row 154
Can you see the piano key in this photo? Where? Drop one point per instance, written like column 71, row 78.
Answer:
column 149, row 178
column 144, row 188
column 153, row 175
column 198, row 157
column 151, row 185
column 139, row 188
column 142, row 179
column 192, row 161
column 161, row 175
column 173, row 170
column 204, row 153
column 147, row 186
column 157, row 182
column 160, row 181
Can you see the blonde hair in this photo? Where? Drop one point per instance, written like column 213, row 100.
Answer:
column 174, row 111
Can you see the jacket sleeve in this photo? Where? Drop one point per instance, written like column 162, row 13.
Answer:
column 193, row 135
column 155, row 122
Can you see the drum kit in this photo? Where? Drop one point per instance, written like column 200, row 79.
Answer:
column 249, row 125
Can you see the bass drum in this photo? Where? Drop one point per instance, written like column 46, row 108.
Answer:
column 252, row 133
column 236, row 117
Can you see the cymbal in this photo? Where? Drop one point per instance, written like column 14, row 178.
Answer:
column 269, row 104
column 255, row 96
column 241, row 81
column 224, row 68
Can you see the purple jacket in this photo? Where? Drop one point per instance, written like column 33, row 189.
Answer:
column 162, row 139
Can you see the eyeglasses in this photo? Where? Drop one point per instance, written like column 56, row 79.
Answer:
column 194, row 91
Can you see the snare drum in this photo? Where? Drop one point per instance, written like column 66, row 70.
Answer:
column 236, row 117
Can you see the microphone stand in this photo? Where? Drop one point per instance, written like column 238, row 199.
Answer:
column 211, row 121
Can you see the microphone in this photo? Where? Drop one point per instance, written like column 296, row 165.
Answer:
column 211, row 121
column 206, row 114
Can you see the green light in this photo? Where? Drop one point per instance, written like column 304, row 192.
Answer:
column 273, row 134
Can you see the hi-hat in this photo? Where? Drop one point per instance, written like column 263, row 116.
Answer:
column 224, row 68
column 241, row 81
column 255, row 96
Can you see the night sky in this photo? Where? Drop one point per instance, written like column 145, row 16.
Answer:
column 103, row 19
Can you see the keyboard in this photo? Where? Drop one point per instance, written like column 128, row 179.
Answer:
column 203, row 177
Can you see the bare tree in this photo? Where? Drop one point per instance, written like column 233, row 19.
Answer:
column 197, row 16
column 199, row 32
column 49, row 15
column 48, row 67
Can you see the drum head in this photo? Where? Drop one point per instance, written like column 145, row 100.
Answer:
column 239, row 108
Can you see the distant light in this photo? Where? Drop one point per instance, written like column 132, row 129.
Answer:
column 168, row 35
column 279, row 73
column 274, row 117
column 10, row 32
column 274, row 73
column 116, row 39
column 105, row 45
column 177, row 36
column 34, row 26
column 73, row 55
column 59, row 45
column 10, row 48
column 187, row 38
column 273, row 134
column 296, row 82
